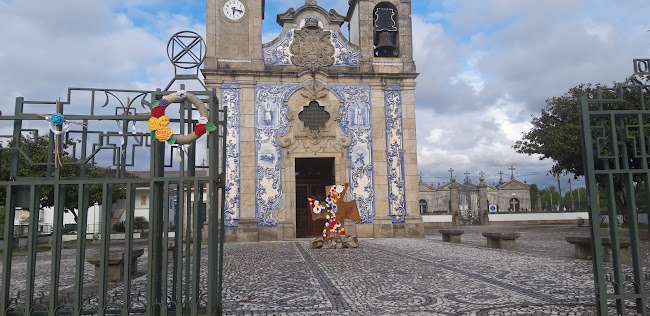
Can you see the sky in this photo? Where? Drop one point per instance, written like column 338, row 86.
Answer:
column 486, row 66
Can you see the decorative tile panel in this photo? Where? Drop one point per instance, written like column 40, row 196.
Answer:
column 270, row 120
column 230, row 98
column 278, row 53
column 356, row 114
column 344, row 56
column 395, row 154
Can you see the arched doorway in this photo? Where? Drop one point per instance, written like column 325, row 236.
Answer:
column 514, row 205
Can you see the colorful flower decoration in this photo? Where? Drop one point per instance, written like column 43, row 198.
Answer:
column 158, row 123
column 57, row 119
column 332, row 227
column 158, row 111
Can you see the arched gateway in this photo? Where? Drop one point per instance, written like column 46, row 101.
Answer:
column 314, row 108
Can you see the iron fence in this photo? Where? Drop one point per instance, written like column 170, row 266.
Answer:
column 615, row 131
column 162, row 276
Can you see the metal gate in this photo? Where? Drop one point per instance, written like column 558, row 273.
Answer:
column 99, row 160
column 615, row 126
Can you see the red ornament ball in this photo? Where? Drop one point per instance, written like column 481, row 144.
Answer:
column 199, row 129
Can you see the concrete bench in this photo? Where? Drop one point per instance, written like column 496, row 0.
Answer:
column 501, row 240
column 451, row 235
column 116, row 264
column 582, row 246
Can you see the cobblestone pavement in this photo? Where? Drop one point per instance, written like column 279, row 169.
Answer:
column 393, row 276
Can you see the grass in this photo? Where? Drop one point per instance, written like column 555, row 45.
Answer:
column 21, row 251
column 641, row 226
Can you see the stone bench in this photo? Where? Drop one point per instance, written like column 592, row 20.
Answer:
column 582, row 246
column 116, row 264
column 451, row 235
column 502, row 240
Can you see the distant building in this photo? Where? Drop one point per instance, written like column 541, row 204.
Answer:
column 511, row 196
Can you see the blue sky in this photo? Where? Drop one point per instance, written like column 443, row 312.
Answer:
column 485, row 66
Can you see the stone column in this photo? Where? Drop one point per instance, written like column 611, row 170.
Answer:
column 453, row 201
column 482, row 201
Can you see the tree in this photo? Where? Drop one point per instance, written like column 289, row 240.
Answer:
column 534, row 190
column 556, row 135
column 2, row 216
column 550, row 198
column 556, row 132
column 38, row 149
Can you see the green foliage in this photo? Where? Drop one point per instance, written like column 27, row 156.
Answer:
column 579, row 198
column 140, row 222
column 534, row 190
column 640, row 226
column 550, row 198
column 39, row 150
column 119, row 227
column 556, row 133
column 2, row 215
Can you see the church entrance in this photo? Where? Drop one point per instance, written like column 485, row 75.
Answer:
column 312, row 176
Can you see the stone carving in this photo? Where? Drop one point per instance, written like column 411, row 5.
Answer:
column 277, row 52
column 314, row 90
column 312, row 47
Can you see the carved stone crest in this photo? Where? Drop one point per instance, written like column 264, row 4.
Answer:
column 312, row 47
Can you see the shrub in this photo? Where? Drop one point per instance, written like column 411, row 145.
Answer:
column 119, row 227
column 140, row 222
column 2, row 216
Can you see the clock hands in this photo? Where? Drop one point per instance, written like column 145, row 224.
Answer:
column 235, row 9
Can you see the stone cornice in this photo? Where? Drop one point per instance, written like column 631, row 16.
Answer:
column 295, row 74
column 291, row 15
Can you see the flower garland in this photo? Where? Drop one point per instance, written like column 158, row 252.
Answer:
column 332, row 226
column 158, row 123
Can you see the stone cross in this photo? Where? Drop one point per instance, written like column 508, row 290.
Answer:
column 512, row 170
column 451, row 171
column 467, row 174
column 500, row 176
column 514, row 203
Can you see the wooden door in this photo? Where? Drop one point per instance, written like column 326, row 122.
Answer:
column 305, row 226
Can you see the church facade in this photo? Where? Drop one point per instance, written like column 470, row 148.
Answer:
column 314, row 108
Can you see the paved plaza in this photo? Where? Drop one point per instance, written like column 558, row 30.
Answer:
column 395, row 276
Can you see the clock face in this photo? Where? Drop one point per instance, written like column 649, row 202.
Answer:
column 234, row 9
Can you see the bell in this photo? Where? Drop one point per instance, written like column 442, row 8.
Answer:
column 385, row 39
column 386, row 44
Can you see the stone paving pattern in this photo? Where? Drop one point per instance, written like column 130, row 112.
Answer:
column 389, row 276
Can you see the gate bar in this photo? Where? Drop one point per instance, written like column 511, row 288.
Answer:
column 31, row 251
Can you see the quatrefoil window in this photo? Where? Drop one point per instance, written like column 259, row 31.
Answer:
column 314, row 116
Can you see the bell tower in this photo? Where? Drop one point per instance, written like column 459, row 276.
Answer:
column 234, row 35
column 383, row 31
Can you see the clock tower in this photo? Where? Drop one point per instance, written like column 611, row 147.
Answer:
column 234, row 34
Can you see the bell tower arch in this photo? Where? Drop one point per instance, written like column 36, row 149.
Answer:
column 383, row 31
